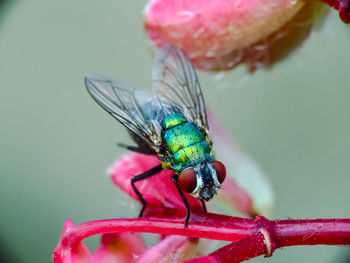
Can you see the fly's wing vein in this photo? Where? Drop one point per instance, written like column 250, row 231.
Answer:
column 128, row 105
column 175, row 82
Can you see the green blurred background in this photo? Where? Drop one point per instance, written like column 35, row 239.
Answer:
column 56, row 143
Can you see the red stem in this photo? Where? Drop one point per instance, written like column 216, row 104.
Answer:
column 311, row 232
column 281, row 233
column 241, row 250
column 212, row 226
column 250, row 238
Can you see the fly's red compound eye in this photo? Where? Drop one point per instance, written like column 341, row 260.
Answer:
column 187, row 180
column 220, row 171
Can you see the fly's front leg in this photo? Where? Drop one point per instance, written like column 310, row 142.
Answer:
column 204, row 206
column 140, row 177
column 183, row 199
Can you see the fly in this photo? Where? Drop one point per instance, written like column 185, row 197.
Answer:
column 170, row 123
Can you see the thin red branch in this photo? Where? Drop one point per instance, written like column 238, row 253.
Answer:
column 241, row 250
column 250, row 238
column 211, row 226
column 281, row 233
column 310, row 232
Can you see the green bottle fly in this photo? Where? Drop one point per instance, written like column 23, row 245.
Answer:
column 170, row 123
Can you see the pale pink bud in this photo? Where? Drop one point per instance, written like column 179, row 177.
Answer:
column 220, row 34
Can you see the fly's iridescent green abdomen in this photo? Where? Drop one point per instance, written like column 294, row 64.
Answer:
column 185, row 144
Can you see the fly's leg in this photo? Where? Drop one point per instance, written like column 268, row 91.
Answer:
column 183, row 199
column 140, row 177
column 204, row 206
column 136, row 149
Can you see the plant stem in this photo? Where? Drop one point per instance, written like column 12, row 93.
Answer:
column 212, row 226
column 250, row 238
column 281, row 233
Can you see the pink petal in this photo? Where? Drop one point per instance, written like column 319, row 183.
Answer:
column 78, row 253
column 119, row 247
column 158, row 190
column 248, row 189
column 219, row 34
column 170, row 250
column 234, row 195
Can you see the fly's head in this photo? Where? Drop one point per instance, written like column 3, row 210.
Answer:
column 203, row 180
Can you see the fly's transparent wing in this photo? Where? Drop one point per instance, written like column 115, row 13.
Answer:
column 134, row 108
column 175, row 82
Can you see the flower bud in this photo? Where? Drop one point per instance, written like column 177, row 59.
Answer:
column 220, row 34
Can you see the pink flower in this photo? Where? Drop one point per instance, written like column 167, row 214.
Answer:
column 163, row 201
column 220, row 34
column 119, row 247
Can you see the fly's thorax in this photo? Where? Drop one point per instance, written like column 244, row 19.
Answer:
column 173, row 120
